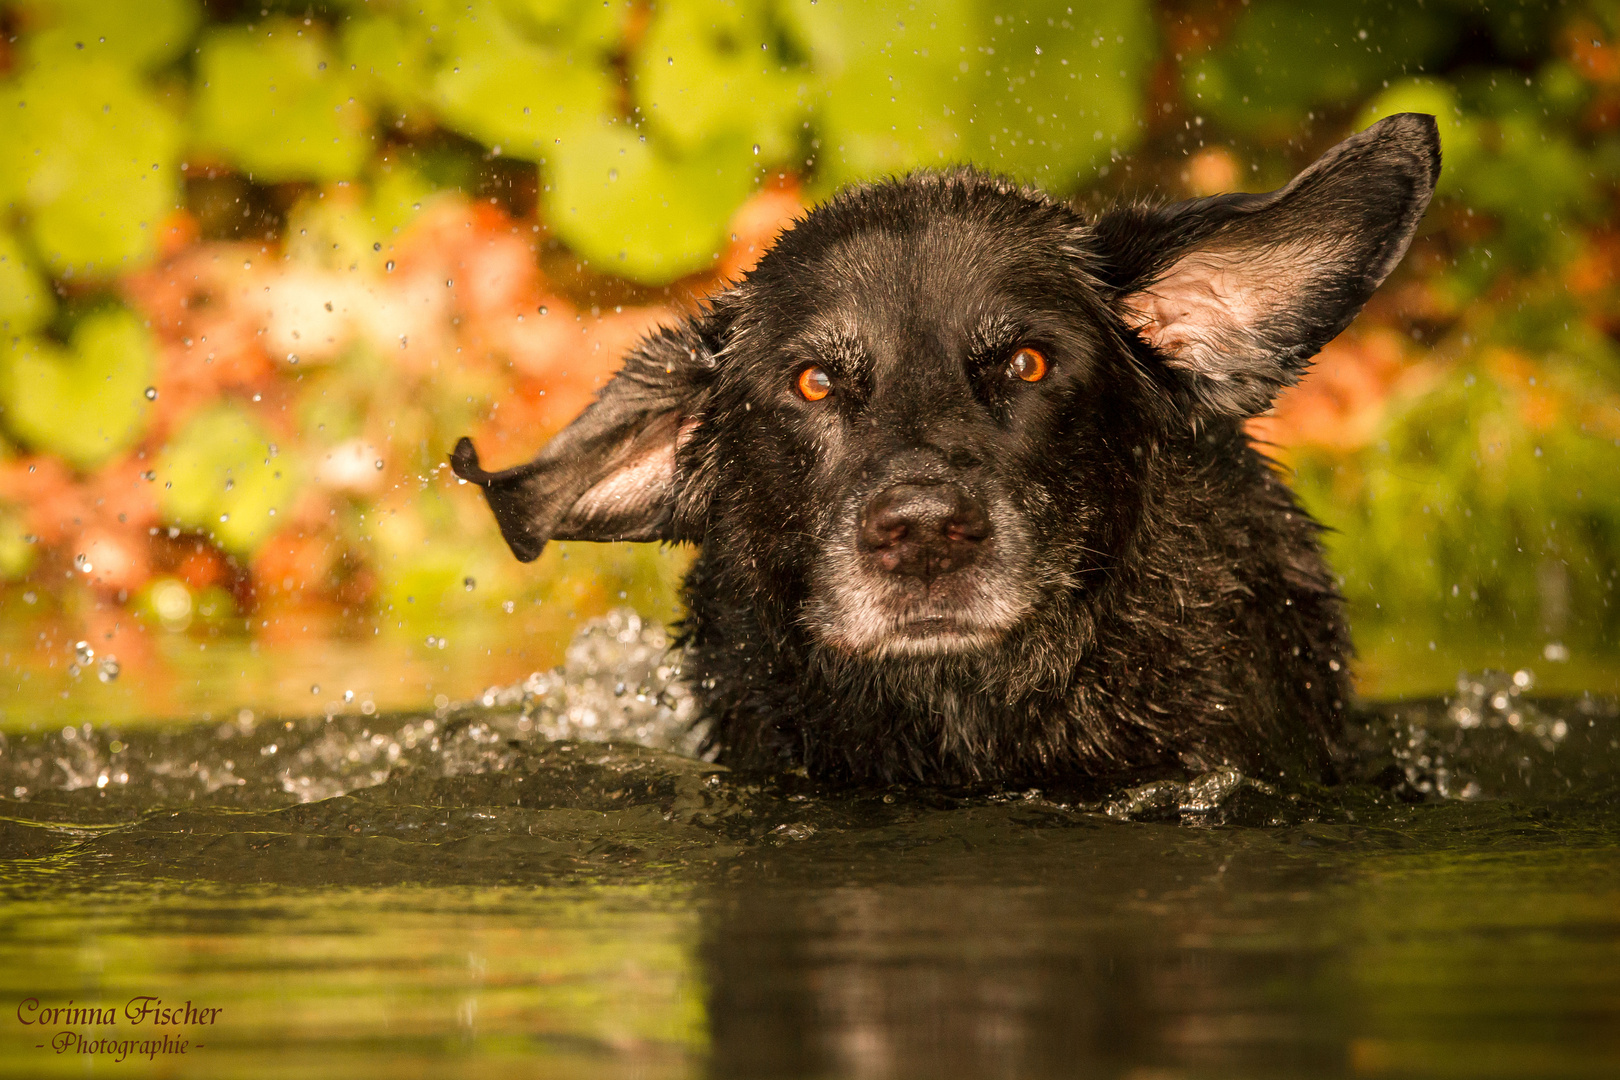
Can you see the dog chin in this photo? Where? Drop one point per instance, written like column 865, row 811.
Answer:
column 936, row 637
column 866, row 627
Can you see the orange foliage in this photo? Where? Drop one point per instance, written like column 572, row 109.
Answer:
column 290, row 561
column 1597, row 266
column 1339, row 406
column 1593, row 56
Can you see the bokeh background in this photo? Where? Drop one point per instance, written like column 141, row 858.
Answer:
column 261, row 263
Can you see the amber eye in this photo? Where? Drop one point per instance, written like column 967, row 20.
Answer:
column 1027, row 364
column 814, row 384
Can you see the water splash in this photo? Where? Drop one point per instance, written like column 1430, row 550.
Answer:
column 1491, row 740
column 621, row 682
column 1220, row 797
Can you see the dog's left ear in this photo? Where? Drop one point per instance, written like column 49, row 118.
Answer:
column 609, row 475
column 1240, row 291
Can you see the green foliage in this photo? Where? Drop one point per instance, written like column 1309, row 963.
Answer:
column 633, row 210
column 709, row 71
column 343, row 230
column 893, row 86
column 1488, row 499
column 223, row 475
column 1501, row 160
column 84, row 403
column 140, row 36
column 391, row 61
column 1284, row 59
column 1042, row 90
column 17, row 554
column 1061, row 88
column 272, row 99
column 513, row 93
column 89, row 154
column 26, row 302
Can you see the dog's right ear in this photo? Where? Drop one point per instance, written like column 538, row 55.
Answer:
column 1236, row 293
column 609, row 475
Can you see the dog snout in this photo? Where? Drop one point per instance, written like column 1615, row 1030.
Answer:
column 924, row 530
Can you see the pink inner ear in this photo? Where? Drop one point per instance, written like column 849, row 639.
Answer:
column 639, row 483
column 1197, row 311
column 1206, row 312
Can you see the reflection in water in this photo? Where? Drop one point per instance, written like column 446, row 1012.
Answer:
column 980, row 980
column 459, row 894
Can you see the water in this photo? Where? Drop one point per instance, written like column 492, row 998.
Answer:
column 544, row 881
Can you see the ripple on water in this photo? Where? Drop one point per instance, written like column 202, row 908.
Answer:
column 597, row 763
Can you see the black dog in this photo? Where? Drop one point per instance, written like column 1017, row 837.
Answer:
column 971, row 482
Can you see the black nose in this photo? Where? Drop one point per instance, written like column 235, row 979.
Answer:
column 923, row 530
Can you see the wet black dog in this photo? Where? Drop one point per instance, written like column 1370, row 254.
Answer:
column 971, row 482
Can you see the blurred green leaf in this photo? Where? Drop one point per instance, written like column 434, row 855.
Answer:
column 142, row 35
column 1535, row 182
column 26, row 300
column 90, row 153
column 16, row 554
column 593, row 27
column 894, row 86
column 1060, row 87
column 633, row 211
column 87, row 402
column 275, row 102
column 424, row 578
column 1283, row 59
column 707, row 70
column 513, row 93
column 391, row 60
column 224, row 476
column 343, row 228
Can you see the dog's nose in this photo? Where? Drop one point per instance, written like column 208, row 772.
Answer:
column 924, row 530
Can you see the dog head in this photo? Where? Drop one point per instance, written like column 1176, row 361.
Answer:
column 925, row 413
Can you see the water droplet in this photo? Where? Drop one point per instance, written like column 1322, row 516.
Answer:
column 148, row 475
column 544, row 310
column 613, row 174
column 756, row 149
column 379, row 464
column 151, row 393
column 109, row 668
column 230, row 482
column 348, row 695
column 470, row 583
column 378, row 247
column 315, row 688
column 83, row 652
column 389, row 266
column 507, row 606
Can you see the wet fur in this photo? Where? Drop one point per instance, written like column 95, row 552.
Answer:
column 1154, row 600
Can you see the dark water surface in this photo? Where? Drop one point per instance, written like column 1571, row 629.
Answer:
column 464, row 893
